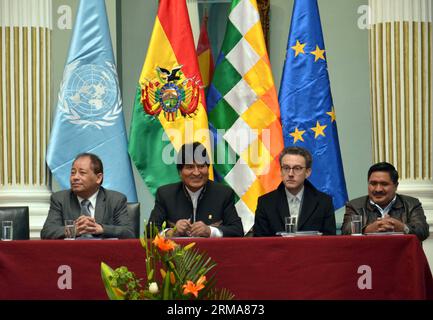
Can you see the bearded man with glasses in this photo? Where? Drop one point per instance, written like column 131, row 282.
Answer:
column 295, row 196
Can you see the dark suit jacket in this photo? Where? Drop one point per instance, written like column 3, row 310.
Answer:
column 110, row 212
column 316, row 214
column 215, row 207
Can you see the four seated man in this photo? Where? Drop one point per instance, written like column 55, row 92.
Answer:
column 199, row 207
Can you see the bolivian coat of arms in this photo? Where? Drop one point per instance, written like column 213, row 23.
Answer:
column 170, row 92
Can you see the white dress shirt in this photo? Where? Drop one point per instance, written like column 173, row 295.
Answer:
column 214, row 232
column 385, row 210
column 294, row 202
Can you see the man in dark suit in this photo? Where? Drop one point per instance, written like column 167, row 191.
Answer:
column 295, row 196
column 196, row 206
column 97, row 212
column 383, row 209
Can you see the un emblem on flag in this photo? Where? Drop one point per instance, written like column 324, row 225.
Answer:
column 89, row 94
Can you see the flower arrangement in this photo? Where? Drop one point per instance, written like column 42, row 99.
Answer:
column 183, row 273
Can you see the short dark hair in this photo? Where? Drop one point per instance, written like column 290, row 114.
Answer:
column 191, row 153
column 384, row 167
column 96, row 162
column 300, row 152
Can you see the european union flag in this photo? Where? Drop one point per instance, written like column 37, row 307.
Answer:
column 89, row 115
column 307, row 110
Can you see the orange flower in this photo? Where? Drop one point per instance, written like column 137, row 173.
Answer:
column 191, row 287
column 172, row 278
column 163, row 244
column 119, row 293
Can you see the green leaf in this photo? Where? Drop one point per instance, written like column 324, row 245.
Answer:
column 106, row 274
column 220, row 294
column 150, row 276
column 166, row 287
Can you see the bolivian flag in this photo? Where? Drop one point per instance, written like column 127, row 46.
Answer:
column 204, row 53
column 169, row 108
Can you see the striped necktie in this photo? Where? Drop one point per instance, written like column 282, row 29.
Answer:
column 85, row 207
column 85, row 211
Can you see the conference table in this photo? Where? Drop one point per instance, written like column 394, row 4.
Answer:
column 307, row 267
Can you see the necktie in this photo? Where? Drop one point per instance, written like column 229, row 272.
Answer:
column 85, row 211
column 294, row 206
column 85, row 207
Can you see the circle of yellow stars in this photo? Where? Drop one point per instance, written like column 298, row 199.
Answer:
column 299, row 48
column 319, row 130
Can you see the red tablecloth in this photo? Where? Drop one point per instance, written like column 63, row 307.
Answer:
column 252, row 268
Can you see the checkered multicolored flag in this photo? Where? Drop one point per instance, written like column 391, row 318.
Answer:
column 243, row 112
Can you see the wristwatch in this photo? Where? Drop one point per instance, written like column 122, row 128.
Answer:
column 406, row 229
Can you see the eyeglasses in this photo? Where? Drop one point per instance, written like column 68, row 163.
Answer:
column 191, row 167
column 296, row 169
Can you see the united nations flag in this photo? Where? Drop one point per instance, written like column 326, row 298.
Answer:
column 89, row 116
